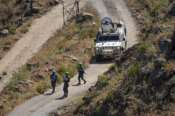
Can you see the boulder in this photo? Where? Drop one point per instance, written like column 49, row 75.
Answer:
column 32, row 65
column 4, row 32
column 172, row 9
column 1, row 106
column 172, row 94
column 54, row 2
column 4, row 73
column 160, row 62
column 73, row 58
column 165, row 45
column 39, row 75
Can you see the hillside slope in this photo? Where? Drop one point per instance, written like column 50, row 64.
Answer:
column 142, row 82
column 42, row 105
column 11, row 11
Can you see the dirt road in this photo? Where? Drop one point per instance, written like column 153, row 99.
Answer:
column 41, row 30
column 42, row 105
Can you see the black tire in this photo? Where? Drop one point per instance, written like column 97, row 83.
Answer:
column 98, row 58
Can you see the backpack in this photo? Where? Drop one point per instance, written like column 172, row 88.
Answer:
column 54, row 77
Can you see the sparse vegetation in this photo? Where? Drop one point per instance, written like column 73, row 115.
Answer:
column 133, row 70
column 61, row 52
column 42, row 87
column 146, row 47
column 146, row 74
column 12, row 25
column 103, row 81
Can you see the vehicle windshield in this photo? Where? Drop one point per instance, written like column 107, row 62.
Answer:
column 108, row 38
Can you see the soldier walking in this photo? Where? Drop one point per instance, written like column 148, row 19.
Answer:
column 53, row 78
column 81, row 73
column 66, row 81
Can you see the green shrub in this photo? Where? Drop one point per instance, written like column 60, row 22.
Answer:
column 42, row 87
column 98, row 111
column 62, row 69
column 146, row 47
column 25, row 30
column 71, row 69
column 12, row 29
column 61, row 50
column 110, row 97
column 134, row 70
column 22, row 75
column 102, row 82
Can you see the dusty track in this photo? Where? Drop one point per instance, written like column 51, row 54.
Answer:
column 42, row 105
column 41, row 30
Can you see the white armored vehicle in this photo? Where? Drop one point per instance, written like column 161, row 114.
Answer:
column 111, row 39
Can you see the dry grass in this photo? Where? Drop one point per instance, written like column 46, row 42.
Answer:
column 155, row 24
column 75, row 41
column 10, row 13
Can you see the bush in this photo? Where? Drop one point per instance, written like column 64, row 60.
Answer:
column 70, row 68
column 62, row 69
column 12, row 29
column 146, row 47
column 42, row 87
column 134, row 70
column 17, row 77
column 110, row 97
column 102, row 82
column 98, row 111
column 71, row 71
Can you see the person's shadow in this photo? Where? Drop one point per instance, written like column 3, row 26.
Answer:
column 76, row 84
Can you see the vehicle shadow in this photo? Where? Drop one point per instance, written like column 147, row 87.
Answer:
column 76, row 84
column 102, row 61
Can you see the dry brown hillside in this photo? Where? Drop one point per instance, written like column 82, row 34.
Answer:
column 11, row 11
column 16, row 18
column 142, row 82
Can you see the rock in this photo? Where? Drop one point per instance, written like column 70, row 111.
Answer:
column 72, row 57
column 6, row 48
column 54, row 2
column 88, row 15
column 4, row 73
column 1, row 106
column 39, row 75
column 171, row 81
column 172, row 50
column 33, row 65
column 161, row 95
column 53, row 114
column 87, row 99
column 84, row 17
column 172, row 10
column 29, row 82
column 36, row 9
column 165, row 46
column 146, row 70
column 21, row 82
column 4, row 32
column 160, row 62
column 172, row 93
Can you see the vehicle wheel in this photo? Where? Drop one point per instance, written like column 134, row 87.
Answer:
column 98, row 58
